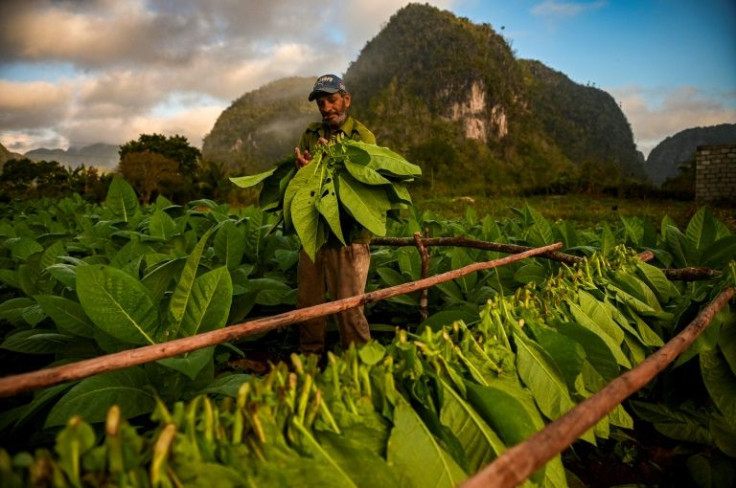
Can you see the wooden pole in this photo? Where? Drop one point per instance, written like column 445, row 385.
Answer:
column 464, row 242
column 679, row 274
column 518, row 463
column 691, row 273
column 42, row 378
column 424, row 298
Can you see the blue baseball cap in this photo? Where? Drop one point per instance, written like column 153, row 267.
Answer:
column 327, row 84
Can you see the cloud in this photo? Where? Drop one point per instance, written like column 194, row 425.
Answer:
column 130, row 62
column 33, row 104
column 193, row 123
column 554, row 9
column 656, row 114
column 95, row 33
column 22, row 142
column 363, row 19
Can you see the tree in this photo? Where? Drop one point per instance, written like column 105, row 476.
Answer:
column 24, row 178
column 173, row 148
column 89, row 182
column 150, row 173
column 213, row 182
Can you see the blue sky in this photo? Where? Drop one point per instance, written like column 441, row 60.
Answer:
column 618, row 43
column 79, row 72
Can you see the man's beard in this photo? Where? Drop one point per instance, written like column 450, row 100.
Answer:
column 336, row 122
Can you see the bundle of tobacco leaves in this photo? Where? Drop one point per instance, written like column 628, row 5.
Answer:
column 353, row 178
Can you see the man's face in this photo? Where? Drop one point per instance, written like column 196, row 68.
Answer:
column 334, row 108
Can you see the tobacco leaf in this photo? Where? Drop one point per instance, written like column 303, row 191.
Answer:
column 118, row 304
column 329, row 207
column 305, row 218
column 480, row 443
column 416, row 455
column 367, row 205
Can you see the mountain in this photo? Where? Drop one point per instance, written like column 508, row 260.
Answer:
column 98, row 155
column 6, row 156
column 262, row 126
column 451, row 96
column 666, row 158
column 585, row 122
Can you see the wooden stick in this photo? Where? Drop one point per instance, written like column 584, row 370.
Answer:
column 518, row 463
column 424, row 298
column 42, row 378
column 646, row 255
column 464, row 242
column 691, row 273
column 679, row 274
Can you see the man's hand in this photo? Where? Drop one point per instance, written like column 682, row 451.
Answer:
column 303, row 159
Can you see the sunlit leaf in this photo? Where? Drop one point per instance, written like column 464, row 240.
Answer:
column 118, row 304
column 121, row 199
column 183, row 291
column 209, row 303
column 542, row 377
column 367, row 205
column 416, row 455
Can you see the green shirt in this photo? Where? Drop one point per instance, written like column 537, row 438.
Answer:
column 356, row 131
column 351, row 128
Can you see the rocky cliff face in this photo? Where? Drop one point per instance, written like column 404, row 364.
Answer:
column 453, row 69
column 479, row 121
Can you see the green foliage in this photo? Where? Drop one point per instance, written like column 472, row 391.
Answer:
column 93, row 279
column 536, row 337
column 23, row 179
column 174, row 147
column 159, row 165
column 584, row 122
column 150, row 174
column 425, row 409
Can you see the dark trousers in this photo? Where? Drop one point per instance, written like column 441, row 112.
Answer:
column 343, row 271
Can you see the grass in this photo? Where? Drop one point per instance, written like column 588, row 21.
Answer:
column 582, row 210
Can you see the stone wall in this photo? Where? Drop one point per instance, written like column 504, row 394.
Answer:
column 715, row 173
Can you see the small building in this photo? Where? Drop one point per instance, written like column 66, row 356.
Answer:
column 715, row 174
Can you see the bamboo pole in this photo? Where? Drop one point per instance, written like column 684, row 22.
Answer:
column 518, row 463
column 42, row 378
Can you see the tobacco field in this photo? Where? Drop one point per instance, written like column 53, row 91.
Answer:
column 427, row 403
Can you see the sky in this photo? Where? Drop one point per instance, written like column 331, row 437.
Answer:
column 79, row 72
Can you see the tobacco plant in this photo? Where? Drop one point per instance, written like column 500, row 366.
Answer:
column 503, row 352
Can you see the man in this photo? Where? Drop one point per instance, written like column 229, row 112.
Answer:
column 342, row 269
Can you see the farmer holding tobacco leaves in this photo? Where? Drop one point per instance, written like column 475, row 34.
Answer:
column 343, row 268
column 335, row 193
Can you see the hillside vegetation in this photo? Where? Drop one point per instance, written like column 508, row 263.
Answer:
column 676, row 154
column 261, row 126
column 452, row 97
column 6, row 155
